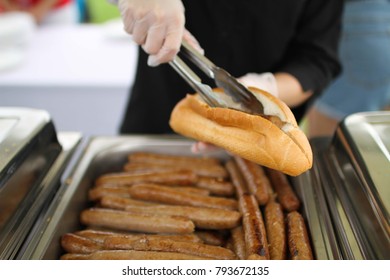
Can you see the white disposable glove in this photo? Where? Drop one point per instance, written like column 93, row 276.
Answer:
column 156, row 25
column 265, row 81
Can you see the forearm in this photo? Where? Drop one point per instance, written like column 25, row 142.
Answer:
column 39, row 10
column 7, row 5
column 45, row 5
column 290, row 90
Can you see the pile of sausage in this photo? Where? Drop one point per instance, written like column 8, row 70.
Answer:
column 170, row 207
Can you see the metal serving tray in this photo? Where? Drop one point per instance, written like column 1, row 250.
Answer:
column 108, row 154
column 354, row 169
column 32, row 159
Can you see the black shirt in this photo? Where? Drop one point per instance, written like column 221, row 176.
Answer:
column 295, row 36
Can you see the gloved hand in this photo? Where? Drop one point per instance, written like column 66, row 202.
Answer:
column 265, row 81
column 156, row 25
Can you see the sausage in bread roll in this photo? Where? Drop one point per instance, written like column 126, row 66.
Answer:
column 273, row 140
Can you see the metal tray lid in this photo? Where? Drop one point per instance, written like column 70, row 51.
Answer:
column 369, row 138
column 18, row 127
column 359, row 163
column 30, row 157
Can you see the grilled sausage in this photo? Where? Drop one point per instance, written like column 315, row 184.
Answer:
column 193, row 190
column 215, row 186
column 213, row 170
column 236, row 178
column 211, row 237
column 170, row 159
column 96, row 193
column 156, row 193
column 298, row 239
column 131, row 255
column 254, row 229
column 136, row 222
column 255, row 178
column 276, row 230
column 73, row 243
column 168, row 245
column 285, row 193
column 238, row 241
column 184, row 177
column 96, row 235
column 205, row 218
column 120, row 203
column 100, row 236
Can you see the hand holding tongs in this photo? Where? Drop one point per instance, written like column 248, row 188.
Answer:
column 247, row 102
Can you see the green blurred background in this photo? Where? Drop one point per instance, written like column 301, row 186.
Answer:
column 96, row 11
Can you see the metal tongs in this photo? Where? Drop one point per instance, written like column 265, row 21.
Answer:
column 241, row 98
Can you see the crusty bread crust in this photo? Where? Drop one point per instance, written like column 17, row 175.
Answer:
column 256, row 138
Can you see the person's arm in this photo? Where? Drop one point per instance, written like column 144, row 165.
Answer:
column 290, row 89
column 9, row 6
column 311, row 62
column 40, row 10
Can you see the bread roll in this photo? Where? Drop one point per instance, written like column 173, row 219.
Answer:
column 273, row 140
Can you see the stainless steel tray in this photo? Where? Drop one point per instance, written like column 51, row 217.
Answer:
column 107, row 154
column 33, row 157
column 354, row 169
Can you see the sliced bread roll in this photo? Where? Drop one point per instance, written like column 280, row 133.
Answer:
column 273, row 140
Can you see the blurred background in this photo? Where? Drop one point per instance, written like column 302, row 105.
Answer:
column 96, row 11
column 77, row 66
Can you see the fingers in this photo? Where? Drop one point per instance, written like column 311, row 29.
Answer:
column 157, row 26
column 164, row 40
column 140, row 31
column 190, row 39
column 154, row 39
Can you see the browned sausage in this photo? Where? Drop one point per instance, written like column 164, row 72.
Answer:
column 254, row 229
column 216, row 186
column 238, row 241
column 255, row 178
column 276, row 230
column 285, row 193
column 73, row 243
column 211, row 237
column 168, row 245
column 96, row 235
column 131, row 255
column 298, row 239
column 169, row 159
column 136, row 222
column 100, row 236
column 236, row 178
column 211, row 170
column 156, row 193
column 184, row 177
column 205, row 218
column 191, row 189
column 120, row 203
column 98, row 192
